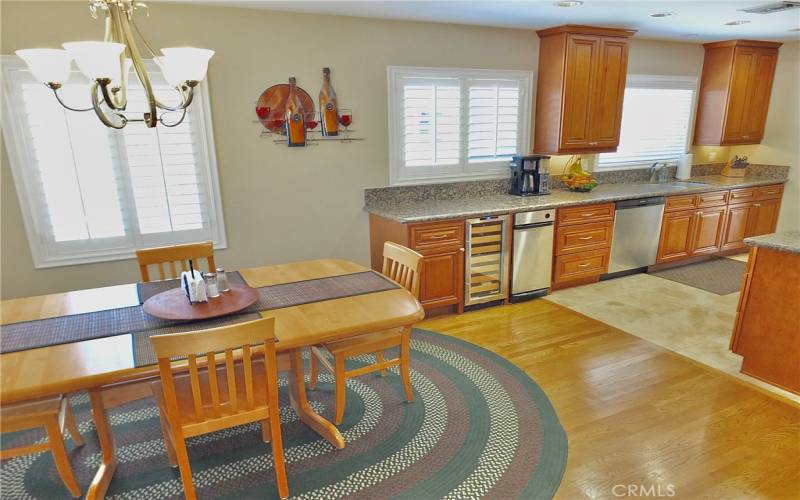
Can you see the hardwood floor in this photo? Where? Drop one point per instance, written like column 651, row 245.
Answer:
column 638, row 414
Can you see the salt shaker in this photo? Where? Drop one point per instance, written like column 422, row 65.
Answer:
column 222, row 280
column 212, row 288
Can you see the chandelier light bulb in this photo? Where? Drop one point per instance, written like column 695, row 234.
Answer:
column 186, row 63
column 47, row 65
column 96, row 59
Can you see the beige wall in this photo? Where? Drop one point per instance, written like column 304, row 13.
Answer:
column 280, row 204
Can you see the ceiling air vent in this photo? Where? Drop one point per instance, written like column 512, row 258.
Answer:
column 770, row 8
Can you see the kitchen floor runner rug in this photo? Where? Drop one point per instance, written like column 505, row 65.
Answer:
column 479, row 428
column 133, row 319
column 721, row 276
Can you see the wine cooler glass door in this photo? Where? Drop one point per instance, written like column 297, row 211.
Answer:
column 486, row 273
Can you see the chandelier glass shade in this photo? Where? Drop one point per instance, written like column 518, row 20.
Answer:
column 108, row 63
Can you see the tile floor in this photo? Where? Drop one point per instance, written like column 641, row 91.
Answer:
column 692, row 322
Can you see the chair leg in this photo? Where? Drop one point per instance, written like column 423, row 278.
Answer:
column 72, row 427
column 265, row 431
column 341, row 395
column 379, row 359
column 171, row 458
column 277, row 453
column 312, row 377
column 56, row 441
column 405, row 364
column 182, row 455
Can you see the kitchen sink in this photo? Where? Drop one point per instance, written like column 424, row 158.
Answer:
column 677, row 185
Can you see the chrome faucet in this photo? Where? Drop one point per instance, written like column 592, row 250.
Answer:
column 658, row 172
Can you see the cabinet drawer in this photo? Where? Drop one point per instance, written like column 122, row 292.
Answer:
column 581, row 265
column 713, row 199
column 742, row 195
column 571, row 239
column 769, row 192
column 437, row 234
column 586, row 213
column 676, row 203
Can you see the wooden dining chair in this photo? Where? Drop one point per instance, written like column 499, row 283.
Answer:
column 208, row 395
column 54, row 415
column 172, row 255
column 402, row 265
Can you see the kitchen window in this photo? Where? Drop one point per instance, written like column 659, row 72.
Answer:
column 657, row 114
column 89, row 193
column 456, row 124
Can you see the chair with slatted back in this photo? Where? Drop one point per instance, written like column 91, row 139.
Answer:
column 402, row 265
column 224, row 383
column 54, row 415
column 172, row 255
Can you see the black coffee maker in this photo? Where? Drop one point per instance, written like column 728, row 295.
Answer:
column 530, row 175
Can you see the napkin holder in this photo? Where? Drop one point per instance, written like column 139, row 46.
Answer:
column 194, row 287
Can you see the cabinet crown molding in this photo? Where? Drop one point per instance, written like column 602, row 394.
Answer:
column 743, row 43
column 586, row 30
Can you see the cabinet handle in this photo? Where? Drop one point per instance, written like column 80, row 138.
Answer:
column 587, row 215
column 461, row 249
column 772, row 192
column 586, row 238
column 746, row 136
column 585, row 264
column 437, row 236
column 756, row 205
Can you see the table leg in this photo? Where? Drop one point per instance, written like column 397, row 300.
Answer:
column 102, row 479
column 297, row 396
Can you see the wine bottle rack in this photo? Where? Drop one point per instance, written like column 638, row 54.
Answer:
column 486, row 266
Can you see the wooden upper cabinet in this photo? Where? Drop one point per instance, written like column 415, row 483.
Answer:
column 734, row 92
column 581, row 83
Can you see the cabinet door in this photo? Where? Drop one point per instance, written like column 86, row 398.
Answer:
column 744, row 62
column 606, row 112
column 759, row 90
column 707, row 231
column 735, row 228
column 442, row 280
column 676, row 236
column 581, row 70
column 763, row 218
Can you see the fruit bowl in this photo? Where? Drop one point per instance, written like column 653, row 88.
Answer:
column 579, row 183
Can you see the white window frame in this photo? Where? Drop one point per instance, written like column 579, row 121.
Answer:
column 399, row 174
column 657, row 82
column 20, row 155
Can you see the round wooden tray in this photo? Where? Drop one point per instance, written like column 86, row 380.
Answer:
column 173, row 304
column 271, row 105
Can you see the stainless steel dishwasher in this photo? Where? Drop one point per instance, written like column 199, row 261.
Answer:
column 532, row 262
column 637, row 227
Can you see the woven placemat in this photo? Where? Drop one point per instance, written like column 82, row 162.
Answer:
column 147, row 290
column 133, row 319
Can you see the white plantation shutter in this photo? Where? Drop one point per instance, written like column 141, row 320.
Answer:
column 656, row 119
column 431, row 121
column 493, row 120
column 449, row 124
column 90, row 193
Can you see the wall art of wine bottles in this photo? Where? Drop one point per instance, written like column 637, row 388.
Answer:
column 289, row 117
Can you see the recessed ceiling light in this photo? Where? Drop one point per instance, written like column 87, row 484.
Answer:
column 737, row 23
column 662, row 14
column 690, row 35
column 568, row 3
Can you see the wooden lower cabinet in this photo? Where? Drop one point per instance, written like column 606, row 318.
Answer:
column 441, row 244
column 676, row 236
column 735, row 227
column 708, row 230
column 442, row 279
column 582, row 244
column 763, row 217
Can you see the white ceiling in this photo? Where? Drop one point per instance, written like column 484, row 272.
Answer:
column 691, row 21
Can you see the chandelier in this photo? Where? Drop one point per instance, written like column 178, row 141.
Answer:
column 107, row 64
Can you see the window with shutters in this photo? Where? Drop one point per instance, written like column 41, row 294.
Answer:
column 89, row 193
column 657, row 115
column 456, row 124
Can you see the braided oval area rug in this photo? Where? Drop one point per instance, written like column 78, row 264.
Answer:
column 479, row 428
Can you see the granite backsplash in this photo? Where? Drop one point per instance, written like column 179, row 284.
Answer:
column 476, row 189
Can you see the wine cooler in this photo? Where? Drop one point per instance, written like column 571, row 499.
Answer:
column 486, row 263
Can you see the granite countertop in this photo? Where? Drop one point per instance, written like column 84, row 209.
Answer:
column 786, row 241
column 433, row 209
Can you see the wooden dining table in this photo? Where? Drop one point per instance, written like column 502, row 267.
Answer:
column 106, row 366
